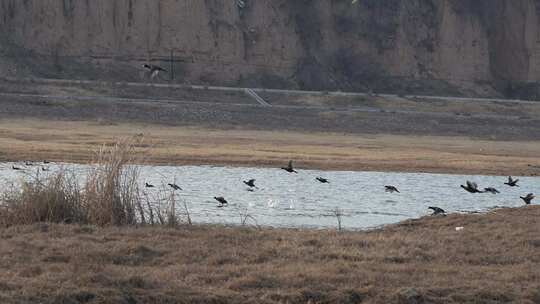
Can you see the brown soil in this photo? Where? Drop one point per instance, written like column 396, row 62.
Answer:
column 31, row 139
column 494, row 259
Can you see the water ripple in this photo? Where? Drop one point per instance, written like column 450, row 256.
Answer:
column 298, row 200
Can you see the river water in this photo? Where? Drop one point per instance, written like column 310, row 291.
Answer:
column 298, row 200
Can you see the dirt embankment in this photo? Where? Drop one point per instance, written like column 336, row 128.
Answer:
column 480, row 48
column 186, row 126
column 494, row 259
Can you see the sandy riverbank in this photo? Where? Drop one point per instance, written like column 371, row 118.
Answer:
column 77, row 141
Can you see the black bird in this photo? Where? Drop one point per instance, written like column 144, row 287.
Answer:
column 46, row 162
column 512, row 182
column 289, row 168
column 471, row 187
column 528, row 199
column 437, row 211
column 15, row 168
column 44, row 169
column 391, row 189
column 323, row 180
column 154, row 70
column 491, row 190
column 147, row 185
column 28, row 164
column 250, row 183
column 175, row 186
column 222, row 201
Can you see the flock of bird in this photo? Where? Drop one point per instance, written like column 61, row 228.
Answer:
column 470, row 187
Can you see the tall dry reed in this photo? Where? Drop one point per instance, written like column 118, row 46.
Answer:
column 108, row 196
column 111, row 191
column 55, row 199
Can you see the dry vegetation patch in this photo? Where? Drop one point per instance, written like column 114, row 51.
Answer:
column 494, row 259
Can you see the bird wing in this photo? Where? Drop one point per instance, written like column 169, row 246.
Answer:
column 221, row 200
column 530, row 196
column 251, row 181
column 472, row 185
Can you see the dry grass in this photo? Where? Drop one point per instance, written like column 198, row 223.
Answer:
column 56, row 199
column 31, row 139
column 494, row 259
column 111, row 192
column 110, row 195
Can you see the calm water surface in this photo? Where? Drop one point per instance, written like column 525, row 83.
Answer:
column 298, row 200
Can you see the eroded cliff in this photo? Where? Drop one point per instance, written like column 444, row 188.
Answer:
column 472, row 47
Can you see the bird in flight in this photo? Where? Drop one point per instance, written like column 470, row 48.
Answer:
column 491, row 190
column 175, row 186
column 437, row 211
column 250, row 183
column 512, row 182
column 471, row 187
column 154, row 70
column 289, row 168
column 391, row 189
column 221, row 200
column 323, row 180
column 147, row 185
column 528, row 199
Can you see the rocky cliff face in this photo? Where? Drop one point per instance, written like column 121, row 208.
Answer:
column 475, row 47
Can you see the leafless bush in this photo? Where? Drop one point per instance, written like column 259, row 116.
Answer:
column 338, row 213
column 245, row 216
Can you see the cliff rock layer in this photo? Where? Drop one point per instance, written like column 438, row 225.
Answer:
column 421, row 46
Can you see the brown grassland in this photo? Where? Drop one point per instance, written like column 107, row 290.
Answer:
column 77, row 141
column 109, row 255
column 494, row 259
